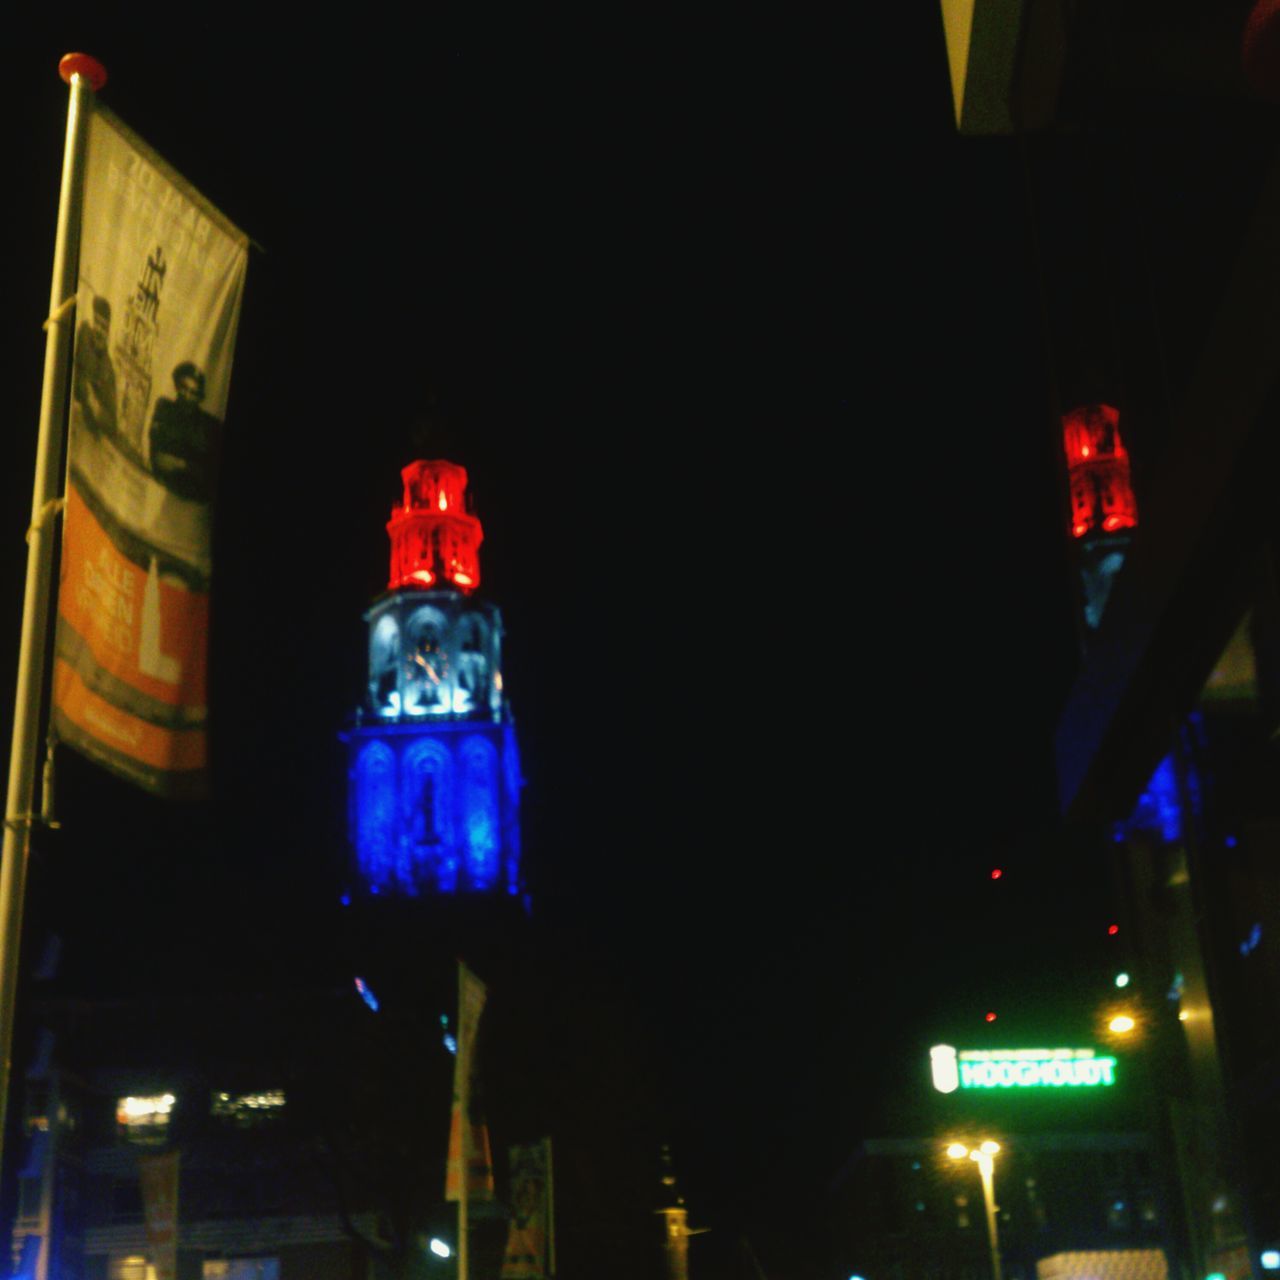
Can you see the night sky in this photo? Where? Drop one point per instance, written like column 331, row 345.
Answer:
column 739, row 344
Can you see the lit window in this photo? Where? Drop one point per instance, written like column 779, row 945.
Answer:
column 248, row 1110
column 429, row 833
column 241, row 1269
column 132, row 1266
column 145, row 1119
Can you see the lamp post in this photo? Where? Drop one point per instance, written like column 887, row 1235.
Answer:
column 984, row 1156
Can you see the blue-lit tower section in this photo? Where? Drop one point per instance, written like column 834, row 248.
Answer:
column 433, row 769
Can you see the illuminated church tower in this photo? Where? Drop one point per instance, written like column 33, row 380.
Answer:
column 433, row 769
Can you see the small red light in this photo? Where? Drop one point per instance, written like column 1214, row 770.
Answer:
column 991, row 1015
column 1080, row 529
column 1112, row 930
column 1084, row 450
column 996, row 873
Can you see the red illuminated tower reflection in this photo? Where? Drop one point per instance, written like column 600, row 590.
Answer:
column 1103, row 508
column 1098, row 466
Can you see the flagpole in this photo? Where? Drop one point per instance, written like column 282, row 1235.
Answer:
column 464, row 1096
column 84, row 75
column 551, row 1210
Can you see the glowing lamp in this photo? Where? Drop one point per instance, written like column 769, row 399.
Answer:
column 991, row 1015
column 1122, row 979
column 957, row 1151
column 366, row 994
column 996, row 873
column 1121, row 1024
column 1270, row 1259
column 439, row 1248
column 1112, row 930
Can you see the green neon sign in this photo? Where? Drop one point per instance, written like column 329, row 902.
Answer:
column 1020, row 1069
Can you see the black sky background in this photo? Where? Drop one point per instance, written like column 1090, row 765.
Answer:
column 739, row 343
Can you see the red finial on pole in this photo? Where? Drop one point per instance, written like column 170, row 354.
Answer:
column 81, row 64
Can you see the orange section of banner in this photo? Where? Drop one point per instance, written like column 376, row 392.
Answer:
column 143, row 628
column 121, row 732
column 479, row 1163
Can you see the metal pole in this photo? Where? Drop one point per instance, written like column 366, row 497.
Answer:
column 551, row 1210
column 464, row 1108
column 986, row 1166
column 84, row 76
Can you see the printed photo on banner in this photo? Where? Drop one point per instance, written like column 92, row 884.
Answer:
column 161, row 276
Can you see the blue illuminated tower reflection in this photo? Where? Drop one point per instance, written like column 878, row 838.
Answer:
column 433, row 767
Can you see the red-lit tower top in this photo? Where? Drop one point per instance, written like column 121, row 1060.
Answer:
column 435, row 538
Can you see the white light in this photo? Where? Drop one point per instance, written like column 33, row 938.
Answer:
column 1270, row 1259
column 1122, row 979
column 942, row 1063
column 137, row 1108
column 439, row 1248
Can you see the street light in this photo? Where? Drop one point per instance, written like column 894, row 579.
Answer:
column 984, row 1156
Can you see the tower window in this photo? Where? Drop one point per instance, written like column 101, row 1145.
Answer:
column 430, row 832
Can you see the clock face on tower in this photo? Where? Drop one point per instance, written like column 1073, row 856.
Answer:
column 427, row 669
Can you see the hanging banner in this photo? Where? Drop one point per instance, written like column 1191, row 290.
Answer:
column 529, row 1236
column 159, row 1178
column 466, row 1102
column 161, row 279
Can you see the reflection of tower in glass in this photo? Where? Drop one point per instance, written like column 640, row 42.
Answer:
column 434, row 773
column 1103, row 509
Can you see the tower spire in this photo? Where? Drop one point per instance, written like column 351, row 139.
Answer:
column 435, row 538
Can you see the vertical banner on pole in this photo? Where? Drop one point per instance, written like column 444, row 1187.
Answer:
column 159, row 1177
column 469, row 1150
column 529, row 1236
column 161, row 279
